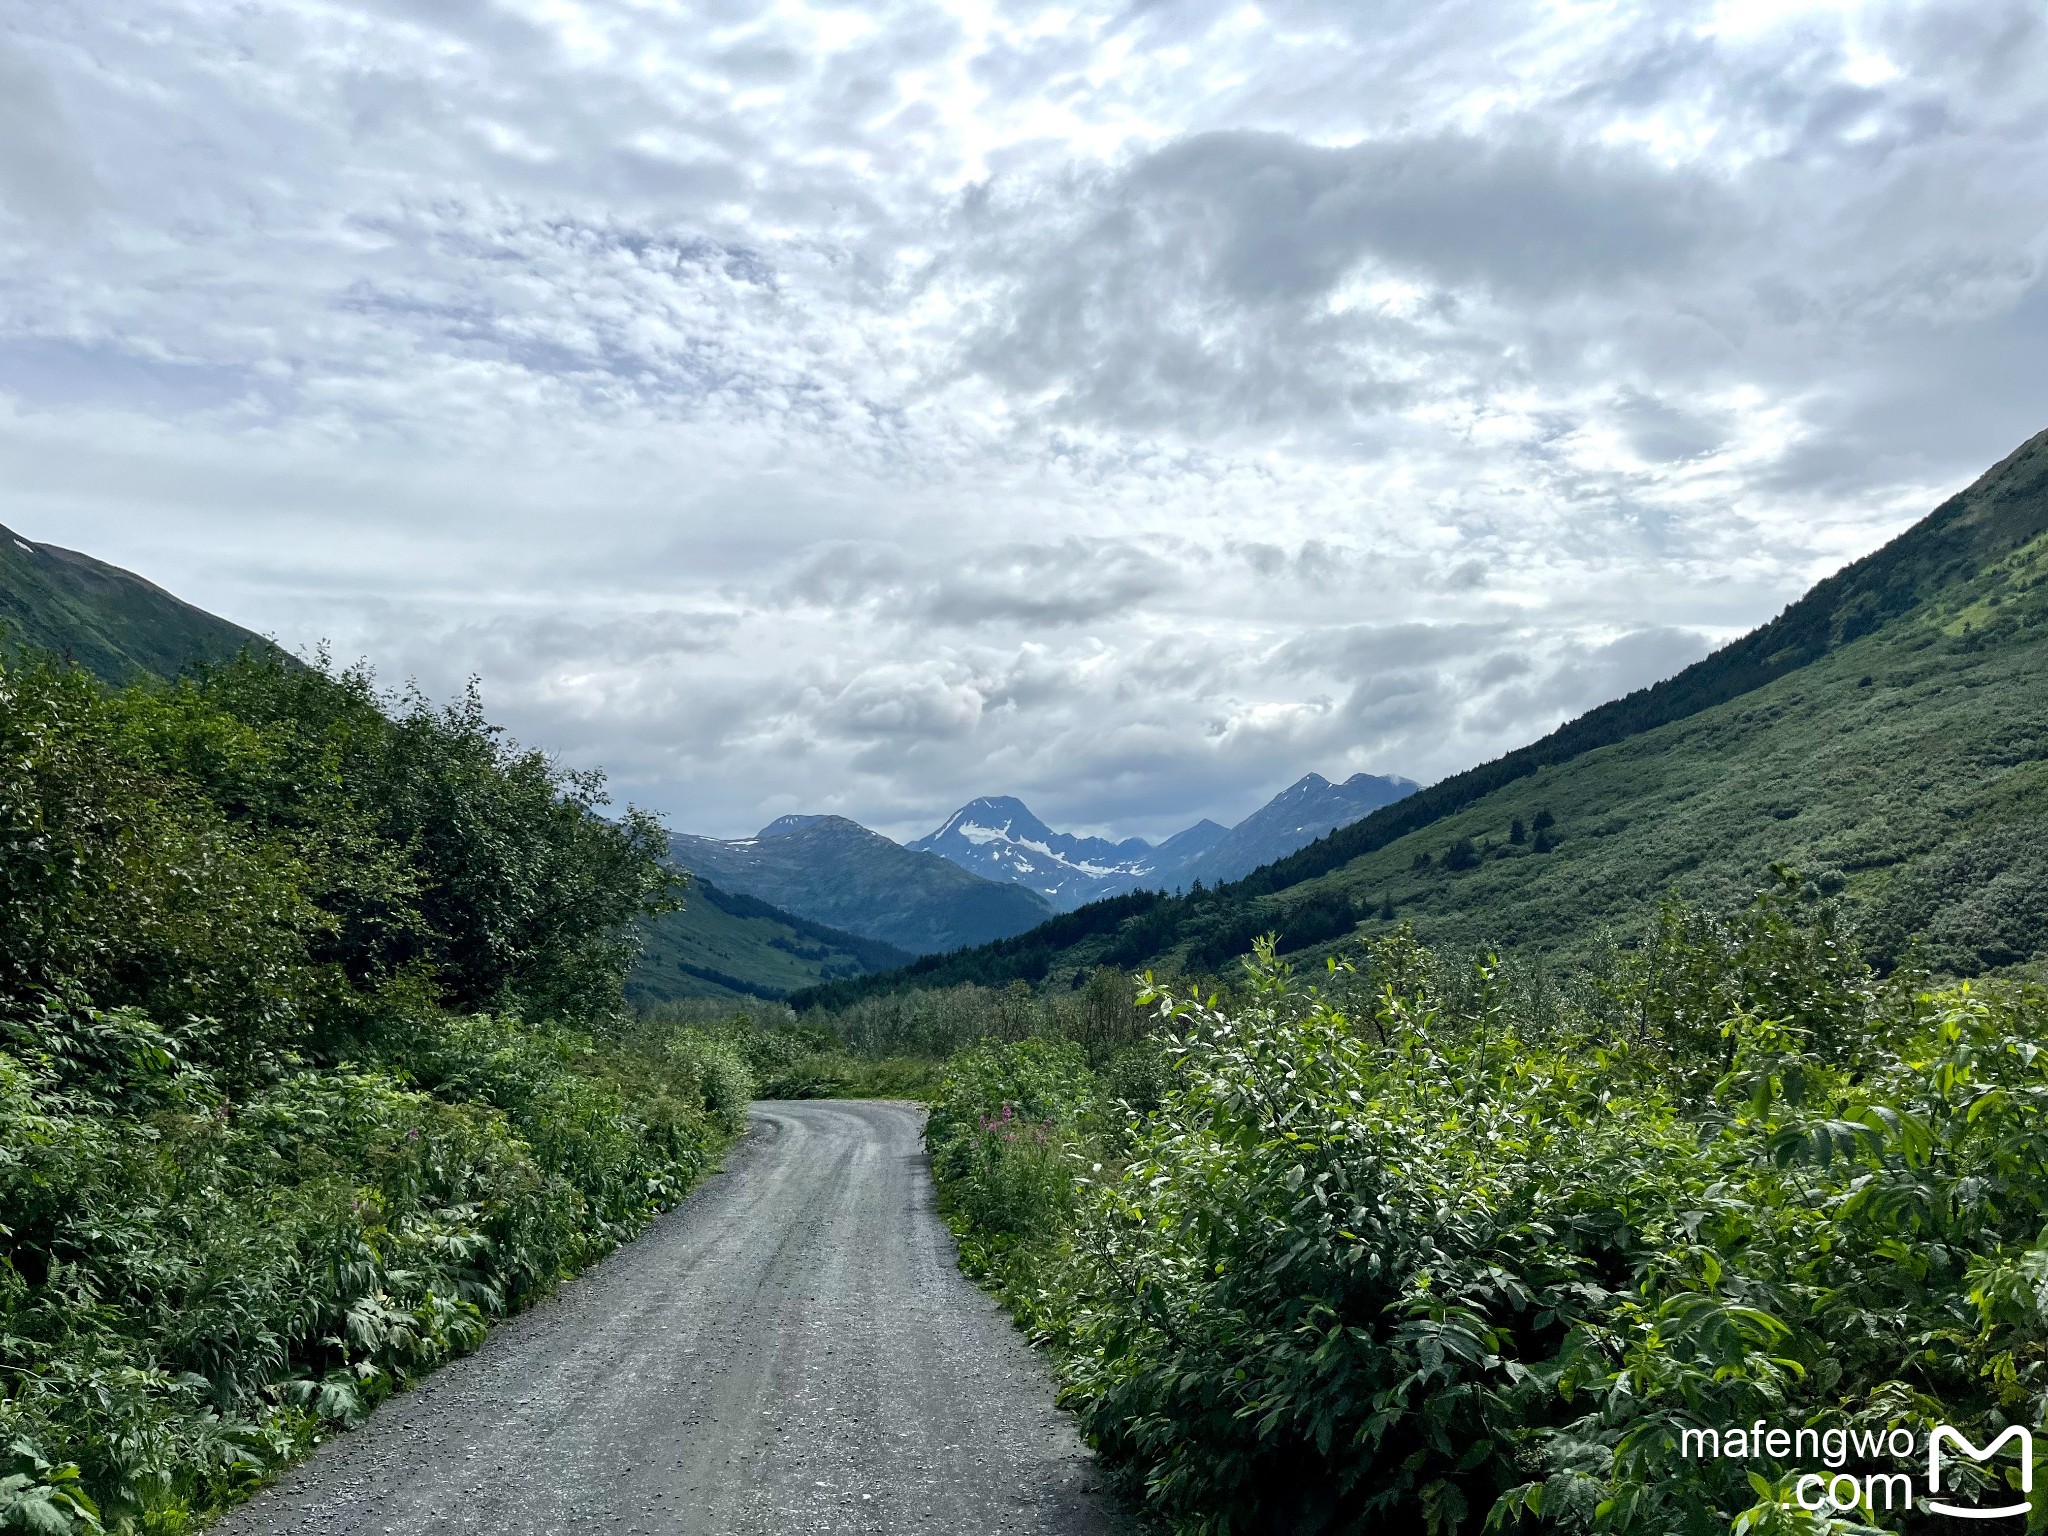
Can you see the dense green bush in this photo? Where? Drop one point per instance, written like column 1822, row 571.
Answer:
column 1007, row 1129
column 1101, row 1016
column 897, row 1046
column 782, row 1057
column 1436, row 1249
column 311, row 1063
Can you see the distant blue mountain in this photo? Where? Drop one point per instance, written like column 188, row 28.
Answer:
column 1294, row 818
column 998, row 838
column 1183, row 848
column 836, row 872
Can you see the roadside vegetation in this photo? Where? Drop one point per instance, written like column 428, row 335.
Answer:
column 1460, row 1247
column 786, row 1056
column 313, row 1061
column 898, row 1046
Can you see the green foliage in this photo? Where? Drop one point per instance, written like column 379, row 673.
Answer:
column 898, row 1046
column 311, row 1064
column 1448, row 1248
column 787, row 1058
column 1100, row 1014
column 257, row 854
column 1002, row 1133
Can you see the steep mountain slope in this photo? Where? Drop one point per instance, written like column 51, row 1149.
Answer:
column 1887, row 734
column 836, row 872
column 1173, row 856
column 723, row 944
column 110, row 621
column 1297, row 816
column 998, row 838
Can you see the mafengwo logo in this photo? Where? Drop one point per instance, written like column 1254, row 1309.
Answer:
column 1839, row 1490
column 1943, row 1435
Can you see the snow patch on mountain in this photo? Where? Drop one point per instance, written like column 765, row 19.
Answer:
column 998, row 838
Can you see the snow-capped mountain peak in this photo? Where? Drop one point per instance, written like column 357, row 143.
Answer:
column 999, row 838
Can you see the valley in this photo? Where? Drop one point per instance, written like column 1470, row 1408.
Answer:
column 1720, row 1001
column 836, row 872
column 720, row 944
column 1887, row 736
column 1023, row 769
column 991, row 870
column 1000, row 839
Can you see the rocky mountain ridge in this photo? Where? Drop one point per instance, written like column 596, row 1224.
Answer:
column 998, row 838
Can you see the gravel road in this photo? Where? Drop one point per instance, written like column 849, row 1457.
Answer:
column 790, row 1350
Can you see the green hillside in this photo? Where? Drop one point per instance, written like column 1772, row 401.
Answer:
column 829, row 870
column 110, row 621
column 1887, row 735
column 722, row 944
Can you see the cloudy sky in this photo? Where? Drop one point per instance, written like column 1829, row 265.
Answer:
column 858, row 409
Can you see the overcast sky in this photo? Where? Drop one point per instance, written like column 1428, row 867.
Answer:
column 859, row 409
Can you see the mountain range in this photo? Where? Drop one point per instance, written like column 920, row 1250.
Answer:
column 993, row 869
column 1886, row 737
column 999, row 839
column 833, row 871
column 1294, row 818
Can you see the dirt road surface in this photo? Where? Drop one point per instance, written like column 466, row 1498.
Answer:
column 791, row 1350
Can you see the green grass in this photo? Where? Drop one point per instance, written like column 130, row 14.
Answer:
column 1853, row 770
column 110, row 621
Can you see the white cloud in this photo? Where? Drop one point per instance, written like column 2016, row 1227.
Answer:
column 860, row 409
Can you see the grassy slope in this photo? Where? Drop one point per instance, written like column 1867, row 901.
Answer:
column 110, row 621
column 1851, row 783
column 837, row 872
column 726, row 945
column 1768, row 750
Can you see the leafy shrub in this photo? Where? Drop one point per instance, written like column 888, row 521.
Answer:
column 1467, row 1252
column 1100, row 1015
column 310, row 1065
column 1977, row 905
column 723, row 1072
